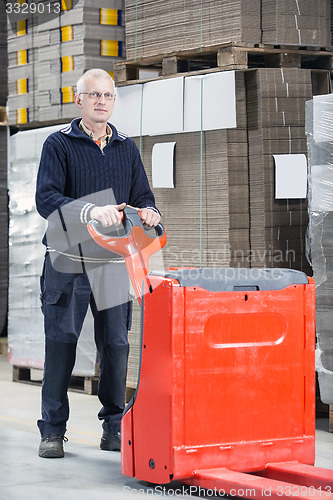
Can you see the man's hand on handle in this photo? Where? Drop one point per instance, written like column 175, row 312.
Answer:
column 149, row 217
column 109, row 215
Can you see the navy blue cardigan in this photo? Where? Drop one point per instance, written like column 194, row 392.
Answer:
column 75, row 174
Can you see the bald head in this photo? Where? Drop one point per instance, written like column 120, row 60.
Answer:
column 95, row 73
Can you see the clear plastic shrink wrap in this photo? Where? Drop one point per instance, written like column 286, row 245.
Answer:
column 26, row 251
column 319, row 130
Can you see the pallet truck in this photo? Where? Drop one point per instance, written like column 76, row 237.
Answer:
column 225, row 399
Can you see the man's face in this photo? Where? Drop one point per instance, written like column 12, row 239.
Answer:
column 96, row 110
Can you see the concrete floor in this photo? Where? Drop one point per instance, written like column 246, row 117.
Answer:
column 86, row 472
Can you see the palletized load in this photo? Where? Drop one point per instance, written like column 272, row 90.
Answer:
column 155, row 27
column 49, row 51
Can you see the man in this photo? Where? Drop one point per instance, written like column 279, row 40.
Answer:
column 87, row 170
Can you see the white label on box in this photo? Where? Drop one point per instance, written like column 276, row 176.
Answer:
column 162, row 165
column 290, row 176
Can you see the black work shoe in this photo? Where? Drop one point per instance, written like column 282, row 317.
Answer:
column 51, row 446
column 110, row 442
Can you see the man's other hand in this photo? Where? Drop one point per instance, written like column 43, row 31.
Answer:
column 149, row 217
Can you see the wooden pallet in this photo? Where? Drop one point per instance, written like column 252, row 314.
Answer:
column 3, row 116
column 3, row 346
column 224, row 57
column 87, row 385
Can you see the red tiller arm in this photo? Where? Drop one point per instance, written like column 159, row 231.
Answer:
column 133, row 242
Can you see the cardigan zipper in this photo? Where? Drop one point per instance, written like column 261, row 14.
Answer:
column 98, row 143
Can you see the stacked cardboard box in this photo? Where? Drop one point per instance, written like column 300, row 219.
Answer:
column 211, row 180
column 48, row 52
column 160, row 27
column 276, row 120
column 3, row 56
column 155, row 28
column 233, row 171
column 297, row 23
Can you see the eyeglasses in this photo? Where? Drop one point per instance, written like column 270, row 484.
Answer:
column 97, row 95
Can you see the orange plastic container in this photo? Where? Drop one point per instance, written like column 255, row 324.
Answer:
column 227, row 375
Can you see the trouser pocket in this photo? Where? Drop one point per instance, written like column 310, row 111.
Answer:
column 64, row 303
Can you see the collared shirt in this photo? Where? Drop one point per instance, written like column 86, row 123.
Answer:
column 102, row 141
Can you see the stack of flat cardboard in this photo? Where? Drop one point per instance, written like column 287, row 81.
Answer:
column 161, row 27
column 224, row 195
column 3, row 56
column 238, row 176
column 49, row 52
column 276, row 121
column 296, row 23
column 166, row 26
column 210, row 199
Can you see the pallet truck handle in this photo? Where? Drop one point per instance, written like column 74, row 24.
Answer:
column 134, row 242
column 129, row 215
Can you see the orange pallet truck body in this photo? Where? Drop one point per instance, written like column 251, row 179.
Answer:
column 226, row 390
